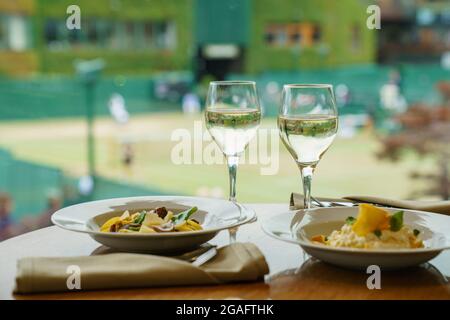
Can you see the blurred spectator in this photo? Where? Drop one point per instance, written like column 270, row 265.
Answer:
column 390, row 94
column 445, row 60
column 118, row 109
column 43, row 220
column 6, row 221
column 395, row 78
column 444, row 88
column 127, row 154
column 342, row 95
column 54, row 203
column 191, row 103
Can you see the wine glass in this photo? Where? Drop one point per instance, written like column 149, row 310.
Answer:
column 232, row 118
column 308, row 123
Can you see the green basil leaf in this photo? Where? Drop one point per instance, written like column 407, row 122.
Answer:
column 140, row 218
column 377, row 233
column 396, row 221
column 184, row 215
column 350, row 220
column 416, row 232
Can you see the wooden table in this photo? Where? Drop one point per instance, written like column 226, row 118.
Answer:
column 293, row 275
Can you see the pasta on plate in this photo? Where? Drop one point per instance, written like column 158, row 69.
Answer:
column 153, row 221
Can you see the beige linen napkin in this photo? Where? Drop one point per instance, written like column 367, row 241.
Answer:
column 296, row 202
column 233, row 263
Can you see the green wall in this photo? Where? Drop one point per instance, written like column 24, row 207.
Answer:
column 64, row 96
column 219, row 21
column 336, row 19
column 125, row 61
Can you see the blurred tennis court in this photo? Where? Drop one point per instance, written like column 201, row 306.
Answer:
column 349, row 167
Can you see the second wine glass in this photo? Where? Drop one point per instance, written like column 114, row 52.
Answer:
column 308, row 124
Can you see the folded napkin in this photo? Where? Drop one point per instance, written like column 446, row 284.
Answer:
column 443, row 207
column 234, row 263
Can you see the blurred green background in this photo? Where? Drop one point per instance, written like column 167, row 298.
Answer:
column 155, row 53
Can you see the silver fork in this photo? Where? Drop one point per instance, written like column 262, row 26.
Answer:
column 333, row 203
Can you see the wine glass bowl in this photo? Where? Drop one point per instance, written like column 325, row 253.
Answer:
column 308, row 123
column 232, row 115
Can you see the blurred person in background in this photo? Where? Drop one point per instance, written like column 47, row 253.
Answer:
column 395, row 77
column 391, row 97
column 127, row 157
column 43, row 220
column 54, row 203
column 118, row 110
column 191, row 103
column 6, row 220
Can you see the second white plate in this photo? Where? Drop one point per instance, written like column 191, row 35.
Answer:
column 298, row 227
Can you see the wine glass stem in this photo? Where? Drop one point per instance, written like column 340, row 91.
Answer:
column 307, row 173
column 233, row 232
column 232, row 162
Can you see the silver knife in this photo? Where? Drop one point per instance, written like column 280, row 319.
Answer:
column 205, row 257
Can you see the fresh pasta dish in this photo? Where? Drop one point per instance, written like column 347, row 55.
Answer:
column 153, row 221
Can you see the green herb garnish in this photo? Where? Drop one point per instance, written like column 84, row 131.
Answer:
column 416, row 232
column 377, row 233
column 183, row 216
column 350, row 220
column 140, row 218
column 134, row 227
column 396, row 221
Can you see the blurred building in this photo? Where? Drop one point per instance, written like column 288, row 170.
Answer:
column 210, row 36
column 266, row 35
column 414, row 30
column 136, row 36
column 17, row 55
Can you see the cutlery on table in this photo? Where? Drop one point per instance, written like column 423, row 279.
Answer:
column 199, row 256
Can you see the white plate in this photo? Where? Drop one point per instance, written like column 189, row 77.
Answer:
column 214, row 215
column 298, row 227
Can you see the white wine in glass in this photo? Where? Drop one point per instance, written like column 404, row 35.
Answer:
column 232, row 117
column 308, row 124
column 307, row 137
column 232, row 129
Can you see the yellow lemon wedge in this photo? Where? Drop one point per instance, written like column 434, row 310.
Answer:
column 370, row 218
column 319, row 238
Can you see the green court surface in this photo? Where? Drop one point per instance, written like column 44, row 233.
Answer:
column 349, row 167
